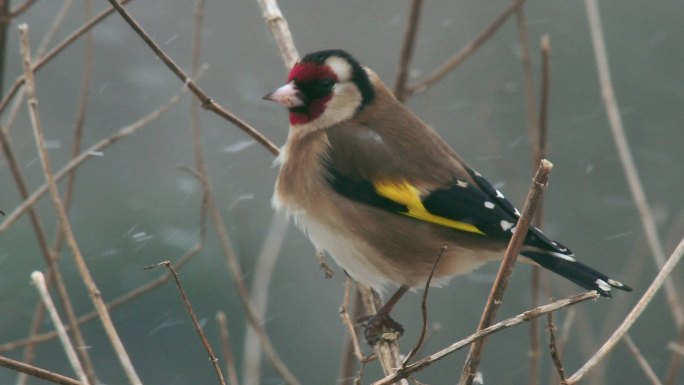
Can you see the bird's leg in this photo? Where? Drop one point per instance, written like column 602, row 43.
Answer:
column 379, row 323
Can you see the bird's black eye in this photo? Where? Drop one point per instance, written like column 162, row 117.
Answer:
column 326, row 84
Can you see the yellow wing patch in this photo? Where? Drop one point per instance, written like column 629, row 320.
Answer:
column 409, row 196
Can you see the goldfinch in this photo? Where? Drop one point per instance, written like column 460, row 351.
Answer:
column 382, row 193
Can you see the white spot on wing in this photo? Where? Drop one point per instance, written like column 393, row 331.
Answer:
column 602, row 285
column 489, row 205
column 499, row 194
column 517, row 212
column 615, row 283
column 505, row 225
column 461, row 183
column 563, row 256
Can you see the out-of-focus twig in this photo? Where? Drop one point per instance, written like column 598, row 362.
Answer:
column 675, row 363
column 632, row 316
column 407, row 50
column 193, row 317
column 281, row 32
column 464, row 53
column 93, row 291
column 539, row 183
column 39, row 280
column 520, row 318
column 641, row 360
column 226, row 348
column 626, row 159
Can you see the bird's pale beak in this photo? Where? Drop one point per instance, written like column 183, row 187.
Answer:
column 287, row 95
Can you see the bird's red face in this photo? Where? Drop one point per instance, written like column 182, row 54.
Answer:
column 323, row 89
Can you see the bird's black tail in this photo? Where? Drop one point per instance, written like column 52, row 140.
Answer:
column 577, row 272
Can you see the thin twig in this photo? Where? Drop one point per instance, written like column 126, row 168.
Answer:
column 643, row 363
column 193, row 317
column 465, row 52
column 626, row 159
column 423, row 311
column 677, row 348
column 39, row 280
column 38, row 372
column 553, row 348
column 513, row 321
column 281, row 32
column 206, row 101
column 226, row 348
column 64, row 220
column 407, row 49
column 17, row 11
column 539, row 183
column 41, row 61
column 632, row 316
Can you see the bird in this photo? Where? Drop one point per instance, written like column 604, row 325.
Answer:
column 381, row 192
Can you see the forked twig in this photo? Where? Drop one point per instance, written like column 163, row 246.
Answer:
column 465, row 52
column 510, row 322
column 193, row 316
column 539, row 182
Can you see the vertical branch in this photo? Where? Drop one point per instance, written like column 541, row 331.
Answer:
column 352, row 349
column 626, row 159
column 553, row 348
column 386, row 350
column 532, row 134
column 93, row 291
column 539, row 183
column 407, row 50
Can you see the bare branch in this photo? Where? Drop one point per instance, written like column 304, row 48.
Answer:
column 38, row 372
column 539, row 182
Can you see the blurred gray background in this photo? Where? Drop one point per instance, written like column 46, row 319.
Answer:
column 133, row 208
